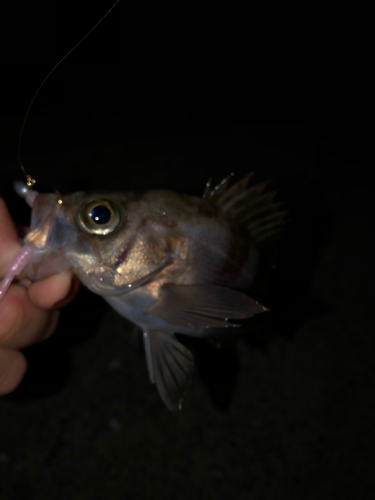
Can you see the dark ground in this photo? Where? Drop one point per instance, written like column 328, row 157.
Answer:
column 285, row 410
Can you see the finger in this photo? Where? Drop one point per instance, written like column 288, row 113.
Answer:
column 76, row 284
column 54, row 291
column 9, row 245
column 21, row 322
column 13, row 366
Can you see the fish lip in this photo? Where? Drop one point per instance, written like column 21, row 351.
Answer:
column 39, row 236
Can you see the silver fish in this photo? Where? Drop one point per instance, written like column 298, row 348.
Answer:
column 168, row 262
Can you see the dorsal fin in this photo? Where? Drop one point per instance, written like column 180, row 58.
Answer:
column 252, row 207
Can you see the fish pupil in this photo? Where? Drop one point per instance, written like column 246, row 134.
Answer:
column 100, row 214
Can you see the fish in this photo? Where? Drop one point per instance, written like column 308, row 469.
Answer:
column 168, row 262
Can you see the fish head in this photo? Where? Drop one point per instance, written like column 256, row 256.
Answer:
column 106, row 238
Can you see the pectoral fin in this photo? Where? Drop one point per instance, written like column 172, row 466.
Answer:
column 169, row 364
column 203, row 306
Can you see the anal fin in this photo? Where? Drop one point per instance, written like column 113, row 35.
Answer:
column 170, row 365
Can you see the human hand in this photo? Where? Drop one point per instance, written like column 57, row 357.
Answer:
column 29, row 312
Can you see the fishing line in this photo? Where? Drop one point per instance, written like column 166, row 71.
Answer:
column 30, row 181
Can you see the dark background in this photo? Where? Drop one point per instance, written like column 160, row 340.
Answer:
column 283, row 410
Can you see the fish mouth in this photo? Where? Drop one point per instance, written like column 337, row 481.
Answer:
column 102, row 288
column 43, row 221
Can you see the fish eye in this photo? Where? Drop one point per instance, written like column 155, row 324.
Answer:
column 98, row 217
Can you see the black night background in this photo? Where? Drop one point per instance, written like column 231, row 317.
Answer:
column 285, row 408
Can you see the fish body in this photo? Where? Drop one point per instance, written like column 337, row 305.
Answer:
column 169, row 262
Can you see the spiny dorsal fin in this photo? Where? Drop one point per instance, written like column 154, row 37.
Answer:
column 252, row 208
